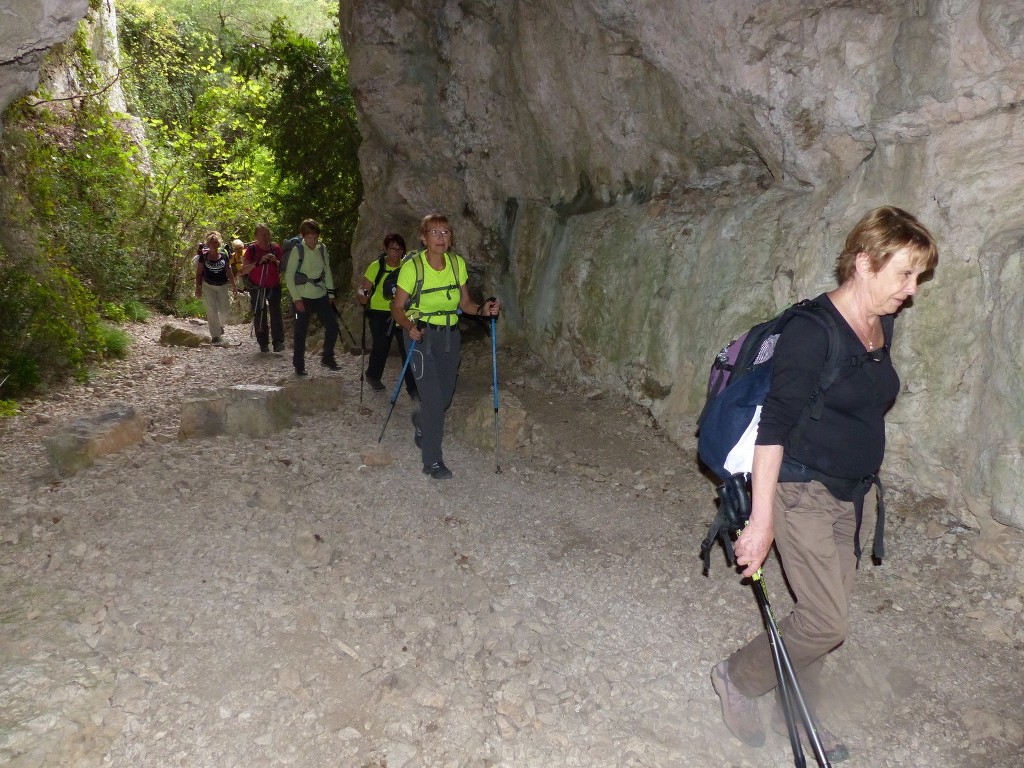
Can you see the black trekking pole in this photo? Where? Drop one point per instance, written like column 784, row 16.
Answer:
column 494, row 385
column 255, row 318
column 398, row 388
column 341, row 322
column 735, row 497
column 362, row 356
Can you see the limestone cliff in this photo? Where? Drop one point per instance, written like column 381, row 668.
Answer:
column 639, row 179
column 30, row 28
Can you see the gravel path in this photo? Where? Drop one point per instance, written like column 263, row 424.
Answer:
column 266, row 602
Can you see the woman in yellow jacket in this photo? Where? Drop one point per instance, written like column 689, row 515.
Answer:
column 431, row 292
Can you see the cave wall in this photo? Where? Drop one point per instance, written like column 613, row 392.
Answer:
column 641, row 179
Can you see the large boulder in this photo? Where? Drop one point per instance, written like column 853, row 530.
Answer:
column 314, row 395
column 478, row 426
column 75, row 446
column 255, row 410
column 175, row 336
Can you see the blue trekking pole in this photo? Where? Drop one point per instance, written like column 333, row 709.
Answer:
column 398, row 388
column 494, row 384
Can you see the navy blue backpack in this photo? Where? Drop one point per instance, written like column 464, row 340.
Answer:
column 740, row 378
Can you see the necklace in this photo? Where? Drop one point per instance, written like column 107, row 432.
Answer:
column 861, row 328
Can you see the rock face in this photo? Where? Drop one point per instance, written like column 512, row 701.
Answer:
column 642, row 179
column 30, row 28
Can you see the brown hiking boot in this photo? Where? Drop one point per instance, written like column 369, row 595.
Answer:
column 738, row 711
column 834, row 748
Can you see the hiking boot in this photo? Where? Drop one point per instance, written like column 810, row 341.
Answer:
column 438, row 471
column 331, row 363
column 215, row 340
column 375, row 384
column 279, row 346
column 834, row 748
column 264, row 349
column 301, row 373
column 417, row 435
column 738, row 711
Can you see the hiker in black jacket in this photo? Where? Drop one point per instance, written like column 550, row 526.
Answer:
column 809, row 485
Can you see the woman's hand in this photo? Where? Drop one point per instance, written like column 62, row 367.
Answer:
column 416, row 333
column 753, row 544
column 490, row 308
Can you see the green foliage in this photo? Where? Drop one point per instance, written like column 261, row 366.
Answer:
column 135, row 311
column 251, row 18
column 8, row 409
column 49, row 326
column 245, row 121
column 115, row 341
column 165, row 62
column 131, row 311
column 114, row 312
column 189, row 306
column 312, row 130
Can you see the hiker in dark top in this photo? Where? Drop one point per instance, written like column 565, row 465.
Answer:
column 214, row 278
column 807, row 497
column 371, row 294
column 261, row 264
column 431, row 320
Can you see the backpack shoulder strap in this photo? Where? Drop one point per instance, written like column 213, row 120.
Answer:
column 418, row 286
column 380, row 273
column 456, row 260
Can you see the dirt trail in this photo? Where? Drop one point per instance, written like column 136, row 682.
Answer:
column 242, row 602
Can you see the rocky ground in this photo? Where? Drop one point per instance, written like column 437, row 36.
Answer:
column 266, row 602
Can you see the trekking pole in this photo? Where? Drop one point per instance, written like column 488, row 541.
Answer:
column 735, row 498
column 255, row 309
column 341, row 322
column 264, row 304
column 398, row 388
column 362, row 356
column 494, row 385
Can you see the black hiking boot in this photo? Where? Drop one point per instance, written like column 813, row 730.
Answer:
column 438, row 471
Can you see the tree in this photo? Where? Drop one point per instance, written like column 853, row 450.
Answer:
column 311, row 129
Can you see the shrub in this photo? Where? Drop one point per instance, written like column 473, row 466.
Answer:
column 114, row 312
column 136, row 311
column 8, row 409
column 189, row 306
column 115, row 341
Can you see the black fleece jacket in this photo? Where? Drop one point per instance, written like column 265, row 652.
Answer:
column 848, row 441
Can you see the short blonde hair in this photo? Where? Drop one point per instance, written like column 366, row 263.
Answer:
column 433, row 218
column 880, row 233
